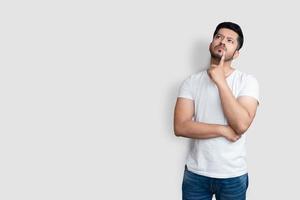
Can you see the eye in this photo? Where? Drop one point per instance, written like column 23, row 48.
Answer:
column 230, row 40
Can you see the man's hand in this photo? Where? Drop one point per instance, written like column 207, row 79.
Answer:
column 229, row 134
column 216, row 72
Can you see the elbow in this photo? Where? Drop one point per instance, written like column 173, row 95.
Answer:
column 243, row 125
column 241, row 129
column 178, row 131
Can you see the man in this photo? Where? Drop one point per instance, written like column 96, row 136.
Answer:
column 215, row 107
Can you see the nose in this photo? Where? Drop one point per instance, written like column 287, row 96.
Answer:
column 222, row 41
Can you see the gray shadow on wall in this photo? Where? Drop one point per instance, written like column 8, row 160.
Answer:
column 200, row 55
column 199, row 60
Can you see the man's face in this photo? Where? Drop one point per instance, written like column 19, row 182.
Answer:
column 224, row 40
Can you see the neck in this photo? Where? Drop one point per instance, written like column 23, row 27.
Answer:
column 226, row 66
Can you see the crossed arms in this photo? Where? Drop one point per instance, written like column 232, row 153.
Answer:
column 239, row 112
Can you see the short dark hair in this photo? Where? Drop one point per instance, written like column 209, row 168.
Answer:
column 234, row 27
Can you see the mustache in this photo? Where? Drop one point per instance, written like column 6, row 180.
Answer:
column 223, row 47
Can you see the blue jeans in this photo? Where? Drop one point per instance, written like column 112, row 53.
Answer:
column 197, row 187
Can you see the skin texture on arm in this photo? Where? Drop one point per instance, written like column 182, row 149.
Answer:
column 185, row 126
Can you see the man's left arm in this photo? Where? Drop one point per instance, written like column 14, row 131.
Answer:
column 239, row 112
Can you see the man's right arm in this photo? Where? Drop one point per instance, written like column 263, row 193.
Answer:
column 185, row 126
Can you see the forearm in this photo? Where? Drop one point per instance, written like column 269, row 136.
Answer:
column 198, row 130
column 237, row 116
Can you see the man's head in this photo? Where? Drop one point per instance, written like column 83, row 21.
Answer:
column 227, row 37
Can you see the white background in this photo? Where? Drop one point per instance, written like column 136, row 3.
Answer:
column 88, row 88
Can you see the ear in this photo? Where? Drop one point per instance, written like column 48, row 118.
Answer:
column 236, row 54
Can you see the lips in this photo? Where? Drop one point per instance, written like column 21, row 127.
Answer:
column 220, row 48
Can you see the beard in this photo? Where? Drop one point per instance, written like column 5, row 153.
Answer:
column 218, row 56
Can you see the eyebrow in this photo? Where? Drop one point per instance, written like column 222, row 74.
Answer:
column 224, row 36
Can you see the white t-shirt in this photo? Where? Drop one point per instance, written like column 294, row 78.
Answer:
column 216, row 157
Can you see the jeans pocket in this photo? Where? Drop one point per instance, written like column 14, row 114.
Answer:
column 234, row 188
column 244, row 180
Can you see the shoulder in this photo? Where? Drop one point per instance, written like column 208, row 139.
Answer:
column 196, row 76
column 245, row 78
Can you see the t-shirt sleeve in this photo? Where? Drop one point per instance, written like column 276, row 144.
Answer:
column 186, row 89
column 250, row 88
